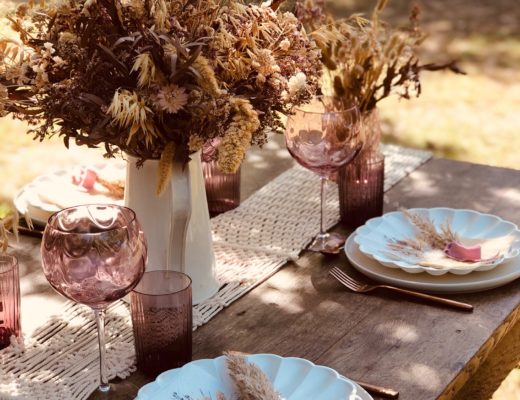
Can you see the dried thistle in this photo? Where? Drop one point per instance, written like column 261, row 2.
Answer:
column 250, row 381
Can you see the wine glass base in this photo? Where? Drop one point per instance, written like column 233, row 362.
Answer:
column 104, row 388
column 328, row 243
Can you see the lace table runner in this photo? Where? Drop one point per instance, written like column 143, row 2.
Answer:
column 251, row 243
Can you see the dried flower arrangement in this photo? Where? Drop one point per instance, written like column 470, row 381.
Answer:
column 366, row 60
column 156, row 78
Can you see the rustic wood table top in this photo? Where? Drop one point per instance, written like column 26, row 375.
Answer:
column 423, row 350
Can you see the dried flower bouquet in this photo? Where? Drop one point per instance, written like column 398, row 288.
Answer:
column 366, row 60
column 156, row 78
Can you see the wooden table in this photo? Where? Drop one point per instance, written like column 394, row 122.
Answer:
column 424, row 351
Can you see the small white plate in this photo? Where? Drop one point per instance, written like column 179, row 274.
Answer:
column 471, row 226
column 449, row 283
column 293, row 378
column 30, row 200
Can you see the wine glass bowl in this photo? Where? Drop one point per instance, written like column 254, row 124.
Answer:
column 324, row 136
column 94, row 255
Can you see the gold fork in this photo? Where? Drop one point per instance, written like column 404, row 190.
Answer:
column 362, row 287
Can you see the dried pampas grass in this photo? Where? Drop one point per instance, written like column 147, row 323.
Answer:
column 427, row 236
column 250, row 382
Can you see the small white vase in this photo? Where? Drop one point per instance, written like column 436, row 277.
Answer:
column 176, row 223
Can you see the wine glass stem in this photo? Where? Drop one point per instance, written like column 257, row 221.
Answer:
column 322, row 203
column 100, row 322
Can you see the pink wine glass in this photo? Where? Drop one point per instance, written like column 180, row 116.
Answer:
column 94, row 255
column 323, row 136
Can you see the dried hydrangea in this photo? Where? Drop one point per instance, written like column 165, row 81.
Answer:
column 148, row 77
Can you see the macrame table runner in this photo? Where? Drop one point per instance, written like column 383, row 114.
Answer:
column 251, row 243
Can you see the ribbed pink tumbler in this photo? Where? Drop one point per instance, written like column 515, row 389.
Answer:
column 9, row 299
column 162, row 320
column 222, row 190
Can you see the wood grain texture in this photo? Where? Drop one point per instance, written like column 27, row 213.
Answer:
column 482, row 382
column 424, row 351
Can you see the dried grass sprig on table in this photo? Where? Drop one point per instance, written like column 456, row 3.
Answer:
column 142, row 77
column 250, row 381
column 428, row 237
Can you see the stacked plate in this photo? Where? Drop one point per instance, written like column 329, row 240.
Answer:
column 371, row 250
column 293, row 378
column 50, row 193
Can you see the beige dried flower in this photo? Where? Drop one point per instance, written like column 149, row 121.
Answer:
column 159, row 10
column 285, row 44
column 145, row 66
column 264, row 62
column 4, row 97
column 130, row 111
column 296, row 84
column 172, row 98
column 427, row 236
column 9, row 224
column 207, row 79
column 250, row 382
column 164, row 170
column 237, row 138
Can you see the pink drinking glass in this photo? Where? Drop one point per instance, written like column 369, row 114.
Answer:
column 9, row 299
column 94, row 255
column 324, row 136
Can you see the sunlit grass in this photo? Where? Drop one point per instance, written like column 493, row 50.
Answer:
column 473, row 118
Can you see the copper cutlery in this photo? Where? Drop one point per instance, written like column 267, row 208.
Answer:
column 362, row 287
column 385, row 393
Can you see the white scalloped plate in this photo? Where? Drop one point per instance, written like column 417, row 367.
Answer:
column 508, row 272
column 29, row 199
column 293, row 378
column 471, row 226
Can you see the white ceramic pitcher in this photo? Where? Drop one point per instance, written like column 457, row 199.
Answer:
column 176, row 223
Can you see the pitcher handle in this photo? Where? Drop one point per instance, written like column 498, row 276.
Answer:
column 180, row 187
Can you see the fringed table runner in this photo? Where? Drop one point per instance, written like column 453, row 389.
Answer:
column 251, row 243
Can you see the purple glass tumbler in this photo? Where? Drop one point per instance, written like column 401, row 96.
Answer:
column 222, row 190
column 161, row 308
column 361, row 190
column 9, row 299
